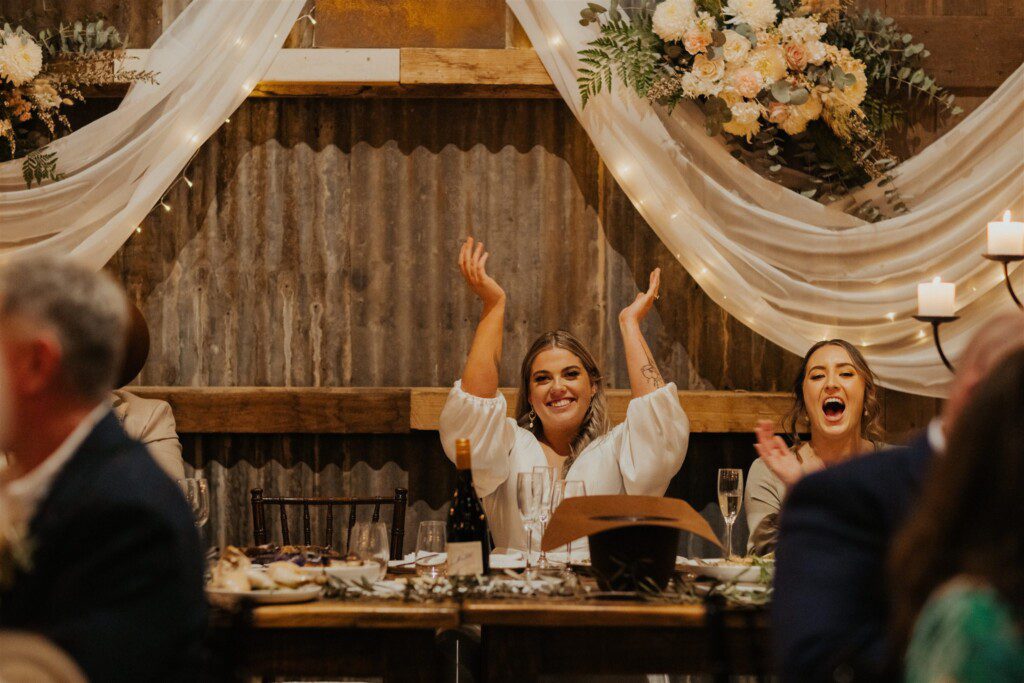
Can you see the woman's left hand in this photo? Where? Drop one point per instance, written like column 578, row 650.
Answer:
column 638, row 310
column 777, row 456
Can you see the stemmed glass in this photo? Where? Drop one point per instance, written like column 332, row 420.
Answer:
column 548, row 476
column 565, row 489
column 197, row 493
column 730, row 498
column 370, row 544
column 529, row 494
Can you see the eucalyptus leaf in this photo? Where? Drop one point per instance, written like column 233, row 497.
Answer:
column 775, row 168
column 717, row 38
column 781, row 91
column 799, row 96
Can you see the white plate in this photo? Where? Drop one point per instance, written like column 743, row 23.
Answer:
column 265, row 597
column 717, row 568
column 369, row 571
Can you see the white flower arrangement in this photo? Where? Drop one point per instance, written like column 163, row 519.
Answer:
column 768, row 72
column 42, row 74
column 21, row 58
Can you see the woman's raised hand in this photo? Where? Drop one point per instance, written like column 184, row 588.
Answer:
column 472, row 262
column 776, row 454
column 638, row 310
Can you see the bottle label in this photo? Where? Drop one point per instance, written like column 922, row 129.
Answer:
column 465, row 559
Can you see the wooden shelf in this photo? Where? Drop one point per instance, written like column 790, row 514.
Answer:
column 401, row 410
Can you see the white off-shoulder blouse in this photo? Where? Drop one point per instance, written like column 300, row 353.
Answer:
column 637, row 457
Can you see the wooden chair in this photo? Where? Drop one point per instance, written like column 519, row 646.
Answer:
column 398, row 503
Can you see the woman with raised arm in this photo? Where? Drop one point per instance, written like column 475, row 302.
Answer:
column 561, row 417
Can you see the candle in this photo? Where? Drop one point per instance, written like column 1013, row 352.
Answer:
column 1006, row 237
column 936, row 299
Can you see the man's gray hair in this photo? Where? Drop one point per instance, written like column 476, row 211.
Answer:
column 87, row 311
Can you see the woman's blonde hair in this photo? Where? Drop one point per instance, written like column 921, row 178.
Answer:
column 595, row 422
column 871, row 421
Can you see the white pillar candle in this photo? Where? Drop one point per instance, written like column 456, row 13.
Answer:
column 936, row 299
column 1006, row 237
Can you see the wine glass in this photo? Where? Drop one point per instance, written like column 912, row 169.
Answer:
column 370, row 544
column 565, row 489
column 730, row 498
column 548, row 476
column 430, row 544
column 197, row 493
column 529, row 493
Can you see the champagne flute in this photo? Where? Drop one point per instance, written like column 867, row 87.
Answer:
column 730, row 498
column 529, row 493
column 548, row 477
column 565, row 489
column 197, row 493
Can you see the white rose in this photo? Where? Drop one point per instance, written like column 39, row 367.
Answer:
column 736, row 46
column 708, row 69
column 759, row 14
column 21, row 58
column 673, row 18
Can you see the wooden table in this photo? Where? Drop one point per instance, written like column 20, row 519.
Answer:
column 366, row 638
column 524, row 639
column 521, row 639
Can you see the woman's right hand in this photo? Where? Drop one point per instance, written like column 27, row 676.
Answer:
column 777, row 455
column 472, row 262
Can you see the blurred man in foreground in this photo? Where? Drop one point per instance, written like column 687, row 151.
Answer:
column 101, row 554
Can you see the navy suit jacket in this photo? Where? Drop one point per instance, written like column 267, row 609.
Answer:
column 830, row 607
column 116, row 577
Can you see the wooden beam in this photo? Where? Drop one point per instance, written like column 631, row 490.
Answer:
column 279, row 410
column 709, row 411
column 424, row 65
column 399, row 410
column 962, row 58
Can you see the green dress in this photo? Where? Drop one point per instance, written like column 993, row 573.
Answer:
column 965, row 634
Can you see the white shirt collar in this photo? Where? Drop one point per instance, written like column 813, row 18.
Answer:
column 23, row 495
column 936, row 437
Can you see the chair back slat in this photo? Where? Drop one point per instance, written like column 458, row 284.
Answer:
column 329, row 534
column 399, row 506
column 348, row 533
column 285, row 538
column 306, row 536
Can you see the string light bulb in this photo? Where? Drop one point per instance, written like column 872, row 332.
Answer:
column 167, row 207
column 187, row 181
column 138, row 229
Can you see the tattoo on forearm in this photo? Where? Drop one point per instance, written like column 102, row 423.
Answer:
column 650, row 372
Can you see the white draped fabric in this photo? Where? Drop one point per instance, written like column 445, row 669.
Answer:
column 791, row 269
column 118, row 167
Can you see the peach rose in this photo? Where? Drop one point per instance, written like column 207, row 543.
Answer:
column 778, row 112
column 746, row 82
column 695, row 41
column 796, row 56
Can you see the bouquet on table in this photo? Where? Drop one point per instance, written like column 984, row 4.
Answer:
column 43, row 74
column 801, row 85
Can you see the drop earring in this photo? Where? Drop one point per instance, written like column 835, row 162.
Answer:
column 532, row 416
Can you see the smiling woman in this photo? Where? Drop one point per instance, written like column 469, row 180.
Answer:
column 561, row 417
column 835, row 399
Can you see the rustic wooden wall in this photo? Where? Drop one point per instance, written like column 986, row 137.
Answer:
column 316, row 249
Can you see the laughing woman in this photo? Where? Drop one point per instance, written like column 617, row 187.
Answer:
column 561, row 417
column 834, row 395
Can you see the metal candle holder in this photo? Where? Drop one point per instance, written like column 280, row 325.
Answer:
column 1006, row 260
column 937, row 320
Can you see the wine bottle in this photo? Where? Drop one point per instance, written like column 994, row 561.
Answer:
column 468, row 541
